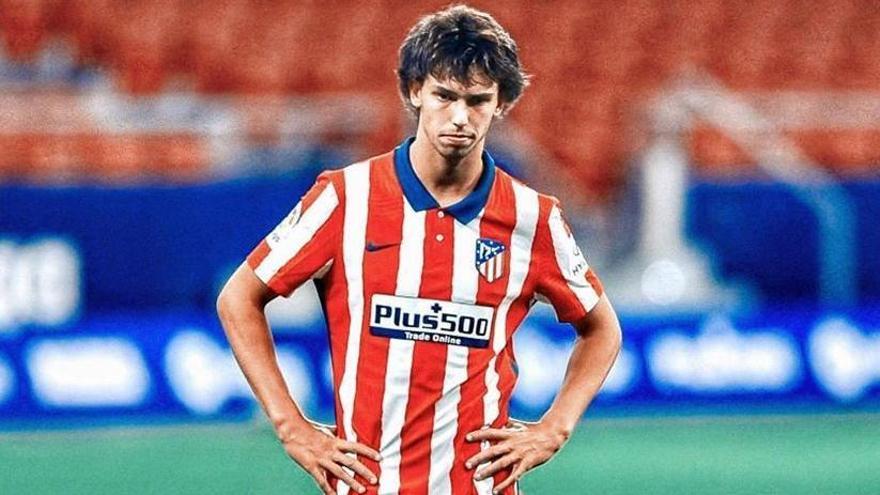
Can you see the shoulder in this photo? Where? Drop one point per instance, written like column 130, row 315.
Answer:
column 373, row 165
column 524, row 197
column 355, row 173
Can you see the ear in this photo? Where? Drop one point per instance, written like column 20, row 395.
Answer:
column 501, row 110
column 415, row 94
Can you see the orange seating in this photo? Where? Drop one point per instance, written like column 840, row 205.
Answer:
column 592, row 63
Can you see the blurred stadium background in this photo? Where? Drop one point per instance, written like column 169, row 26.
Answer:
column 720, row 160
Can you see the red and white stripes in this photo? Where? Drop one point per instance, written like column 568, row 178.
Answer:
column 357, row 181
column 526, row 206
column 465, row 284
column 400, row 353
column 414, row 401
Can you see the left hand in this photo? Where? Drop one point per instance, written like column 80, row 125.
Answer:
column 521, row 445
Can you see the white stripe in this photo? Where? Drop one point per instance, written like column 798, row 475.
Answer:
column 569, row 256
column 465, row 282
column 354, row 233
column 499, row 265
column 304, row 231
column 400, row 353
column 520, row 257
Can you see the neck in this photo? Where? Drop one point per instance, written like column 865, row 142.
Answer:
column 448, row 180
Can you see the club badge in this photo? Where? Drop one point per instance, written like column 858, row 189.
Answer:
column 490, row 259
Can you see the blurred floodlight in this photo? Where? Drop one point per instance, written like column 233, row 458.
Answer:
column 7, row 381
column 720, row 359
column 846, row 362
column 663, row 282
column 88, row 372
column 39, row 283
column 204, row 376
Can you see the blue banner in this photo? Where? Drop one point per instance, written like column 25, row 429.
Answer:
column 143, row 367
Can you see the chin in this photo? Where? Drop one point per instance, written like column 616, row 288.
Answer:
column 455, row 153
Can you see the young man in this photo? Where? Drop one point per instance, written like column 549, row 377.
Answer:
column 427, row 259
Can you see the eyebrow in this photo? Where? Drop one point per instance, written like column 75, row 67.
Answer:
column 444, row 89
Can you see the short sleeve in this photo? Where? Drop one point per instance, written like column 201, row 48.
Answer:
column 566, row 280
column 303, row 245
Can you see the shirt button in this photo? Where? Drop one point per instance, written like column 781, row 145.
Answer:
column 440, row 214
column 439, row 237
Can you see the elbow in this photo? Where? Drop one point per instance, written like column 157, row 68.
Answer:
column 616, row 336
column 228, row 301
column 240, row 297
column 223, row 304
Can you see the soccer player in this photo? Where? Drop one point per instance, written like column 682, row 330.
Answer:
column 427, row 258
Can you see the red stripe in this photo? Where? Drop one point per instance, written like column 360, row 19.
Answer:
column 497, row 224
column 506, row 364
column 323, row 180
column 384, row 226
column 426, row 382
column 258, row 254
column 262, row 250
column 317, row 251
column 333, row 291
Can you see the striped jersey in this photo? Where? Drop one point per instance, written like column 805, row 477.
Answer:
column 421, row 305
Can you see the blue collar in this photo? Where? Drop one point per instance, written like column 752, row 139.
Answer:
column 420, row 199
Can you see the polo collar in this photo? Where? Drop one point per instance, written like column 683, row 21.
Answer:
column 420, row 199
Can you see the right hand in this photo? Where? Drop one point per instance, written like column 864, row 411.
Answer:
column 320, row 453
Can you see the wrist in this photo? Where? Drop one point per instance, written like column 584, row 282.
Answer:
column 560, row 430
column 288, row 428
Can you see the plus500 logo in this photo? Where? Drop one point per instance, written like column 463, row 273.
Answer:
column 425, row 319
column 444, row 322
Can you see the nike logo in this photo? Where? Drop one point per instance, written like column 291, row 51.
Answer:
column 371, row 248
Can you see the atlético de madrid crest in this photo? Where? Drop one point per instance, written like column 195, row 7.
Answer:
column 490, row 259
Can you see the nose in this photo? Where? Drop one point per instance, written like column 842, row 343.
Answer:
column 459, row 114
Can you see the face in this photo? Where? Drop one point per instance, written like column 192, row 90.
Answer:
column 453, row 117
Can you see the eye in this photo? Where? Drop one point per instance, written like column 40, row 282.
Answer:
column 444, row 97
column 480, row 101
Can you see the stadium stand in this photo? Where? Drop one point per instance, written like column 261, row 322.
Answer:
column 593, row 66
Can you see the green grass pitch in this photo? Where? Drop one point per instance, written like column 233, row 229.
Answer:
column 775, row 454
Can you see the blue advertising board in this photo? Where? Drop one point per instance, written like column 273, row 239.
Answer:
column 143, row 367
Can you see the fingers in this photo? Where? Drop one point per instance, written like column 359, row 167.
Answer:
column 487, row 454
column 488, row 434
column 336, row 470
column 321, row 479
column 359, row 448
column 496, row 466
column 514, row 476
column 356, row 466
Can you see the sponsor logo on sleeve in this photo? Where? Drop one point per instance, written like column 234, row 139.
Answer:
column 285, row 228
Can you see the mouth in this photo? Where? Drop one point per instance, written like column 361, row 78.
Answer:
column 457, row 139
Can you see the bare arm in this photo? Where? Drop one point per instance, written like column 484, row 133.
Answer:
column 524, row 446
column 241, row 308
column 594, row 352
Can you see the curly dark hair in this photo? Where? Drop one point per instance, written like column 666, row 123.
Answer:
column 463, row 44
